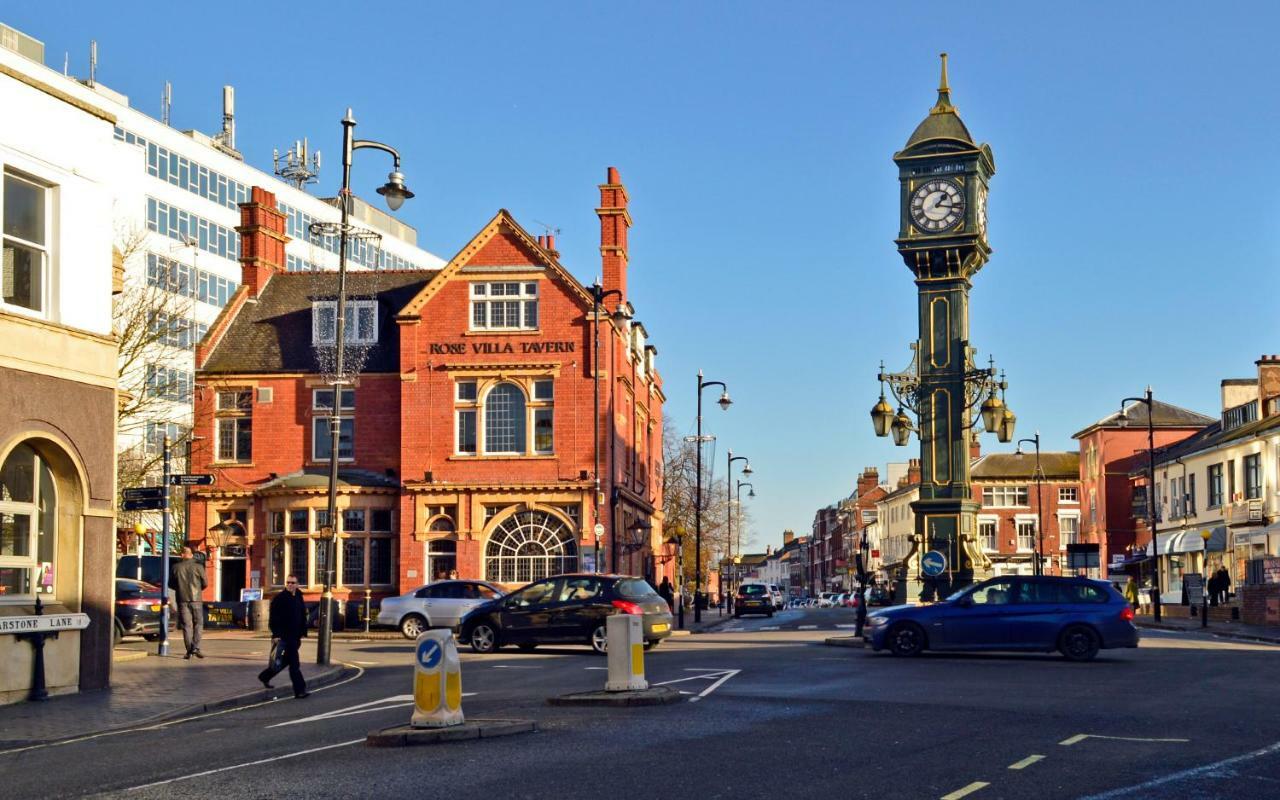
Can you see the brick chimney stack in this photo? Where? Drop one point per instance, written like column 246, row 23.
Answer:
column 262, row 240
column 913, row 472
column 869, row 480
column 975, row 447
column 615, row 221
column 788, row 537
column 1268, row 386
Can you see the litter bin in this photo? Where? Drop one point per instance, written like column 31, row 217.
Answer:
column 258, row 614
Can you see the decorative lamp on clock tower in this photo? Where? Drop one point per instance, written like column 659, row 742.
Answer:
column 942, row 237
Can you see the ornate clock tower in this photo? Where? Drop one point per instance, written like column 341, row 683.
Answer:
column 943, row 240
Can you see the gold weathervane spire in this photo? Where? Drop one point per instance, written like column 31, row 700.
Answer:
column 943, row 105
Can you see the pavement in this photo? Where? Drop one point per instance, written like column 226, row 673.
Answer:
column 147, row 688
column 1225, row 630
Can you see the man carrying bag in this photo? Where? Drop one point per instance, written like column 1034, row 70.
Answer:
column 288, row 623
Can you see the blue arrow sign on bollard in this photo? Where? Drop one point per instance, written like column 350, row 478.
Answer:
column 429, row 654
column 933, row 563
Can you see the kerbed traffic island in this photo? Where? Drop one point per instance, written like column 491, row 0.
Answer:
column 653, row 696
column 408, row 736
column 626, row 685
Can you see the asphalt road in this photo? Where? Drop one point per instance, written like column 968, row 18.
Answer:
column 769, row 711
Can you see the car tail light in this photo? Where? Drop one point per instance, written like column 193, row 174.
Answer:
column 136, row 602
column 1126, row 613
column 628, row 607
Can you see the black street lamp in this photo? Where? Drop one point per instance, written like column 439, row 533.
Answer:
column 1039, row 570
column 598, row 295
column 1204, row 579
column 733, row 565
column 728, row 491
column 1151, row 490
column 395, row 192
column 677, row 539
column 724, row 402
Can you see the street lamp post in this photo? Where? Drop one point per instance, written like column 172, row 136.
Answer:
column 728, row 511
column 1039, row 570
column 733, row 565
column 598, row 295
column 395, row 192
column 677, row 539
column 724, row 402
column 1151, row 491
column 1204, row 578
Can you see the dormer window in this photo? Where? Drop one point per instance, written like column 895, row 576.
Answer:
column 504, row 306
column 361, row 322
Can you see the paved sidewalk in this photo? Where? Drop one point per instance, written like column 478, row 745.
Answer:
column 150, row 688
column 1227, row 630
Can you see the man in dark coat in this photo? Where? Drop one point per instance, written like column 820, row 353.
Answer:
column 188, row 582
column 667, row 593
column 288, row 623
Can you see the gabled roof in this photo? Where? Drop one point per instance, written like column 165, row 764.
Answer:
column 1210, row 437
column 273, row 333
column 1166, row 415
column 1054, row 466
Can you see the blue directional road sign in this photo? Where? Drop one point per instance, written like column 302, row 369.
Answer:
column 144, row 493
column 933, row 563
column 429, row 654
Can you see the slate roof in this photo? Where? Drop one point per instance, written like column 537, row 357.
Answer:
column 1166, row 416
column 273, row 334
column 940, row 125
column 998, row 466
column 1210, row 437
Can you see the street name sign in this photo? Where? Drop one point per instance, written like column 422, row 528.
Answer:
column 44, row 623
column 192, row 479
column 933, row 563
column 148, row 504
column 144, row 493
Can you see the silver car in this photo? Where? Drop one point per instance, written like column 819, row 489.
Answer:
column 438, row 605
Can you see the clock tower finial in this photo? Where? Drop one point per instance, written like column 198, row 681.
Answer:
column 944, row 92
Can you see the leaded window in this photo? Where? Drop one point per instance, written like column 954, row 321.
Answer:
column 504, row 422
column 506, row 305
column 528, row 546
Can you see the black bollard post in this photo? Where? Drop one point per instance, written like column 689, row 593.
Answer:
column 39, row 691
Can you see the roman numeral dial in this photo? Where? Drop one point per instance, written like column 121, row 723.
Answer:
column 937, row 205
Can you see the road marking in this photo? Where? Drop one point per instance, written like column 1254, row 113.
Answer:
column 603, row 668
column 246, row 764
column 514, row 666
column 1026, row 762
column 1080, row 737
column 807, row 627
column 769, row 627
column 1186, row 773
column 967, row 790
column 386, row 703
column 843, row 625
column 161, row 725
column 366, row 663
column 720, row 677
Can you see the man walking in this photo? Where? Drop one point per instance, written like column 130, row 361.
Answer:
column 187, row 582
column 288, row 623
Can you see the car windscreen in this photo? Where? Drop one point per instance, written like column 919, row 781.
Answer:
column 633, row 587
column 752, row 590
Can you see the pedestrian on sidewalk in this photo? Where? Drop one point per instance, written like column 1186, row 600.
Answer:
column 1131, row 592
column 1224, row 585
column 288, row 623
column 187, row 582
column 667, row 593
column 1213, row 586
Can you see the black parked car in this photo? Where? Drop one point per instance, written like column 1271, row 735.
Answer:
column 137, row 610
column 753, row 598
column 565, row 609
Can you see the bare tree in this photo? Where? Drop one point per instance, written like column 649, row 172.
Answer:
column 679, row 477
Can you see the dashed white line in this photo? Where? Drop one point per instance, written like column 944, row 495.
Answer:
column 769, row 628
column 1080, row 737
column 965, row 790
column 843, row 625
column 806, row 627
column 1026, row 762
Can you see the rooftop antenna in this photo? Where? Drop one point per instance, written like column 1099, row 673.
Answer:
column 166, row 102
column 548, row 229
column 66, row 63
column 93, row 61
column 298, row 166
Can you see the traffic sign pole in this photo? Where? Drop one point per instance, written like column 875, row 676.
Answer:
column 164, row 558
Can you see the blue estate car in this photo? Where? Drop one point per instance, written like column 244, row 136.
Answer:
column 1075, row 616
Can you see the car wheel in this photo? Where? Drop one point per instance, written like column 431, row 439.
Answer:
column 117, row 634
column 413, row 626
column 1079, row 643
column 906, row 639
column 600, row 640
column 484, row 639
column 651, row 645
column 528, row 647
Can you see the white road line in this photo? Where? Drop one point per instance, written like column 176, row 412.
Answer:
column 843, row 625
column 1026, row 762
column 806, row 627
column 246, row 764
column 1186, row 773
column 1080, row 737
column 395, row 701
column 714, row 686
column 769, row 627
column 161, row 725
column 603, row 668
column 966, row 790
column 514, row 666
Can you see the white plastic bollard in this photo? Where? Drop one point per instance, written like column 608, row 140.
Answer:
column 437, row 681
column 626, row 653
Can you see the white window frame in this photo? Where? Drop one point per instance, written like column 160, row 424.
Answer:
column 320, row 432
column 1062, row 536
column 351, row 332
column 1018, row 522
column 45, row 250
column 31, row 510
column 1005, row 496
column 1075, row 495
column 995, row 523
column 482, row 296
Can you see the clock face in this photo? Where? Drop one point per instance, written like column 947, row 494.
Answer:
column 982, row 212
column 937, row 205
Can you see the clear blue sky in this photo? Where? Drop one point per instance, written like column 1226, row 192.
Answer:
column 1132, row 213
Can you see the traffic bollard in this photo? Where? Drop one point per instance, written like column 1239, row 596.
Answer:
column 437, row 682
column 626, row 653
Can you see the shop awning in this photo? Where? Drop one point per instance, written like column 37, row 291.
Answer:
column 1251, row 536
column 1190, row 540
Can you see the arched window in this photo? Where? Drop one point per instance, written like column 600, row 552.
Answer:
column 504, row 421
column 442, row 558
column 28, row 524
column 528, row 546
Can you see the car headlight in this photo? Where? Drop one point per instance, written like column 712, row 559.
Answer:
column 875, row 621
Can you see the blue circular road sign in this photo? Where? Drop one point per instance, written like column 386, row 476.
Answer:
column 933, row 563
column 429, row 654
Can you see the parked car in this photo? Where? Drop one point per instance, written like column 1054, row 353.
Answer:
column 437, row 605
column 1075, row 616
column 566, row 609
column 753, row 598
column 878, row 596
column 825, row 598
column 137, row 610
column 779, row 602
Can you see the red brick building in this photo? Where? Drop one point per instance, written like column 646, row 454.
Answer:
column 1013, row 509
column 467, row 441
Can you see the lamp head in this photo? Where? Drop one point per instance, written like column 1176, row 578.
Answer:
column 882, row 417
column 901, row 429
column 1004, row 431
column 139, row 528
column 394, row 191
column 1123, row 418
column 724, row 401
column 990, row 411
column 746, row 469
column 1206, row 534
column 751, row 493
column 1018, row 451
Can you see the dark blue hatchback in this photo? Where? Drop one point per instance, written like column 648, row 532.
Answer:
column 1075, row 616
